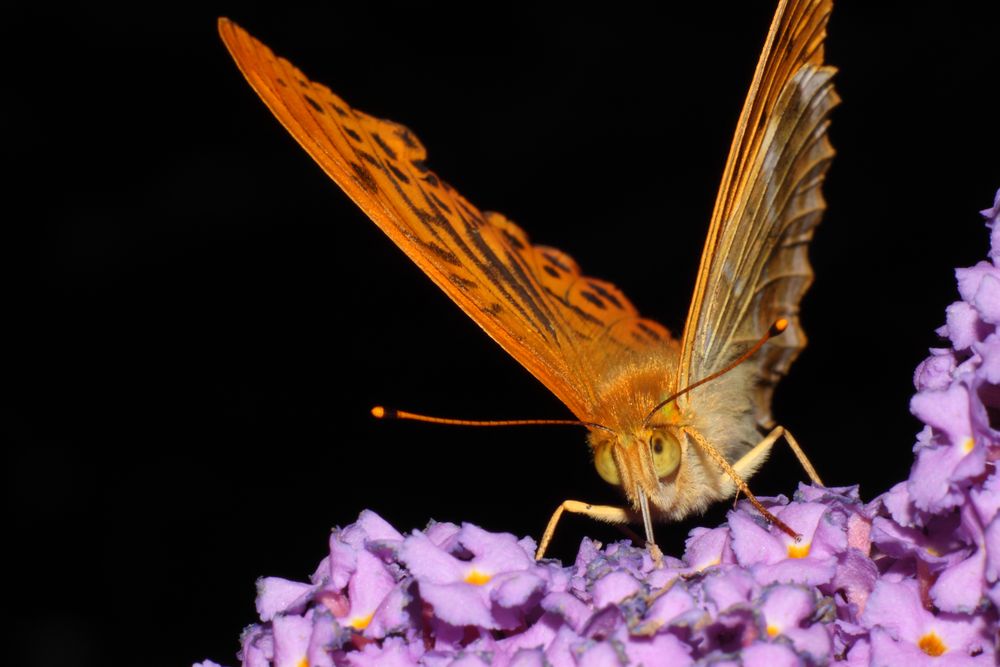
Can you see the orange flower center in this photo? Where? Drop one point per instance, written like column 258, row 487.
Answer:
column 798, row 550
column 361, row 622
column 476, row 578
column 931, row 644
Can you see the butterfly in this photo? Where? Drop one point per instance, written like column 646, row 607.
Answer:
column 673, row 442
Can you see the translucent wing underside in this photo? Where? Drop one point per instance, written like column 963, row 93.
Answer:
column 755, row 268
column 567, row 329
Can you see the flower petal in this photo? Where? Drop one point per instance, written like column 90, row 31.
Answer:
column 276, row 595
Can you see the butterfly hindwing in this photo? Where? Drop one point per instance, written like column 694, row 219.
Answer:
column 754, row 268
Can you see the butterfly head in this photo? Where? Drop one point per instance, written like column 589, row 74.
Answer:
column 648, row 459
column 653, row 458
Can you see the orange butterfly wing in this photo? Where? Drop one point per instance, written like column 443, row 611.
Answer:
column 755, row 268
column 568, row 330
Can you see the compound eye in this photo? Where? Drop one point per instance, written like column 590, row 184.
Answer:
column 605, row 465
column 666, row 454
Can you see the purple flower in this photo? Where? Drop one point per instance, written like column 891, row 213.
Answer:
column 787, row 612
column 773, row 556
column 903, row 631
column 706, row 547
column 949, row 458
column 770, row 655
column 910, row 578
column 475, row 578
column 935, row 372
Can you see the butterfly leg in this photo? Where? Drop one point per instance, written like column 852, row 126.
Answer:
column 748, row 464
column 745, row 467
column 606, row 513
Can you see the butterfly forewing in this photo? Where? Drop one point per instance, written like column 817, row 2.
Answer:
column 569, row 330
column 754, row 268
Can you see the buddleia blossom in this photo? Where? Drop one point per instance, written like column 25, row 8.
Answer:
column 909, row 578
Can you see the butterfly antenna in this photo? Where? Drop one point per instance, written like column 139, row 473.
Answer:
column 381, row 412
column 775, row 329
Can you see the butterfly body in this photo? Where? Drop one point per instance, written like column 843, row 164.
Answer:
column 721, row 411
column 580, row 336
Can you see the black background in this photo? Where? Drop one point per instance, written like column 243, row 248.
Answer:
column 202, row 320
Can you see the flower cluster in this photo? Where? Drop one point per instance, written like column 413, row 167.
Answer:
column 912, row 577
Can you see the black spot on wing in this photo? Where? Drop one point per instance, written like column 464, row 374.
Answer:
column 399, row 174
column 420, row 166
column 593, row 298
column 648, row 330
column 384, row 146
column 368, row 157
column 314, row 104
column 513, row 240
column 579, row 312
column 606, row 294
column 550, row 270
column 435, row 205
column 555, row 260
column 364, row 177
column 425, row 217
column 340, row 112
column 463, row 283
column 445, row 255
column 475, row 216
column 406, row 137
column 352, row 134
column 440, row 203
column 432, row 179
column 281, row 82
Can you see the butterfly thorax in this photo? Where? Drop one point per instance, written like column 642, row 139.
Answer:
column 659, row 455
